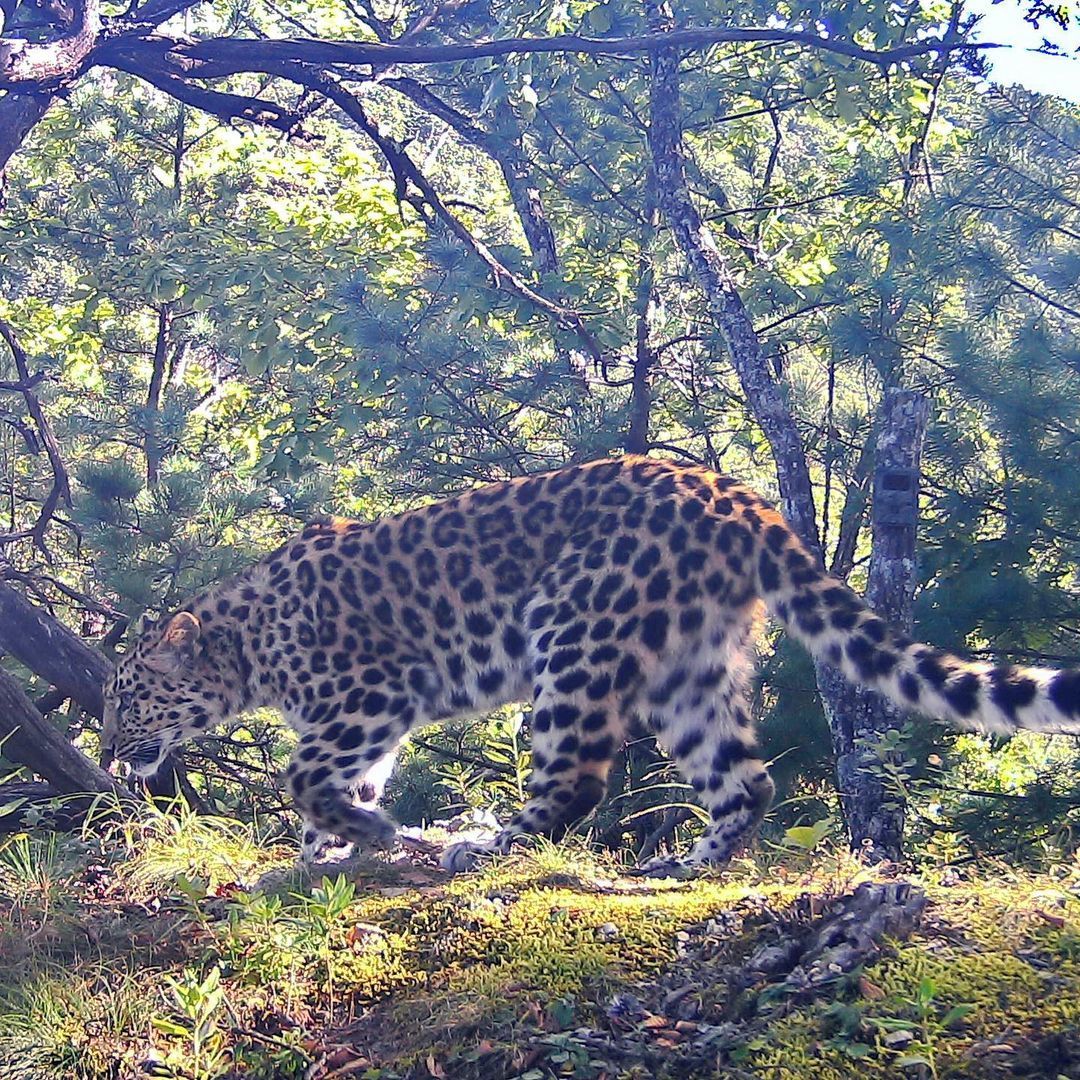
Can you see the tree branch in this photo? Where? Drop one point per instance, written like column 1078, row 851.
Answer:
column 61, row 488
column 508, row 154
column 18, row 115
column 50, row 65
column 254, row 110
column 406, row 172
column 218, row 57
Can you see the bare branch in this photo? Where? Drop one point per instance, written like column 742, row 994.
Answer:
column 406, row 172
column 507, row 153
column 21, row 387
column 254, row 110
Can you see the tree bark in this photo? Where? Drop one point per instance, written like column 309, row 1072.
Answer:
column 714, row 275
column 859, row 718
column 645, row 357
column 50, row 65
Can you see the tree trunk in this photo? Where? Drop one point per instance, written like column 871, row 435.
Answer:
column 733, row 320
column 645, row 358
column 859, row 718
column 714, row 275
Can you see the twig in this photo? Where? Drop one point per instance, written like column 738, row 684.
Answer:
column 462, row 759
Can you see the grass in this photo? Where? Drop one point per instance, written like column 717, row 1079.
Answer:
column 185, row 947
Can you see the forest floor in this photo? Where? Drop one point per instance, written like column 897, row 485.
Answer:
column 181, row 947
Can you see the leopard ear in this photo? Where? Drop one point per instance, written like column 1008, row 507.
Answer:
column 176, row 648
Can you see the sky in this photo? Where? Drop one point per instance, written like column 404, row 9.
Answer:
column 1004, row 24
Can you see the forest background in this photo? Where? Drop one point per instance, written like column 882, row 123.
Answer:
column 241, row 286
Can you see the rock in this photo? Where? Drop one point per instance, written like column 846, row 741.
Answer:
column 898, row 1040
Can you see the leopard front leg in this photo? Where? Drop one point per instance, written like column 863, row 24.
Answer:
column 319, row 846
column 338, row 802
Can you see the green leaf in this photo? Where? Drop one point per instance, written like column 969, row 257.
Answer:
column 256, row 361
column 858, row 1050
column 600, row 18
column 807, row 837
column 170, row 1027
column 957, row 1012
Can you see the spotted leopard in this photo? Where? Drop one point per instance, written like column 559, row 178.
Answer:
column 617, row 591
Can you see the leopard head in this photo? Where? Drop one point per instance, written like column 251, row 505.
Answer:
column 165, row 690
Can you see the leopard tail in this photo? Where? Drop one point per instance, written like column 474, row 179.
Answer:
column 838, row 628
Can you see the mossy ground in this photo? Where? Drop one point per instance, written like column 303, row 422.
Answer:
column 153, row 951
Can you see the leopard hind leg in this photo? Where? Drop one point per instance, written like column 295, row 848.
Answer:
column 700, row 712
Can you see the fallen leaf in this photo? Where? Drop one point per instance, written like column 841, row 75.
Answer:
column 1055, row 921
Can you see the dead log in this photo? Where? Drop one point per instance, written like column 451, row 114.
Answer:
column 51, row 650
column 78, row 671
column 848, row 935
column 28, row 804
column 29, row 739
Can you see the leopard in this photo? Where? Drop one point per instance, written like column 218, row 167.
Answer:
column 616, row 595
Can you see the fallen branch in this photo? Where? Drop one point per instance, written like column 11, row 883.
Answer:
column 848, row 935
column 29, row 739
column 51, row 650
column 28, row 804
column 75, row 670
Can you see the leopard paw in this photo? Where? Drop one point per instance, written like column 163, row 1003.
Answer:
column 465, row 856
column 666, row 867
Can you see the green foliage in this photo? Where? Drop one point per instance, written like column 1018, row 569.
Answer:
column 199, row 1043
